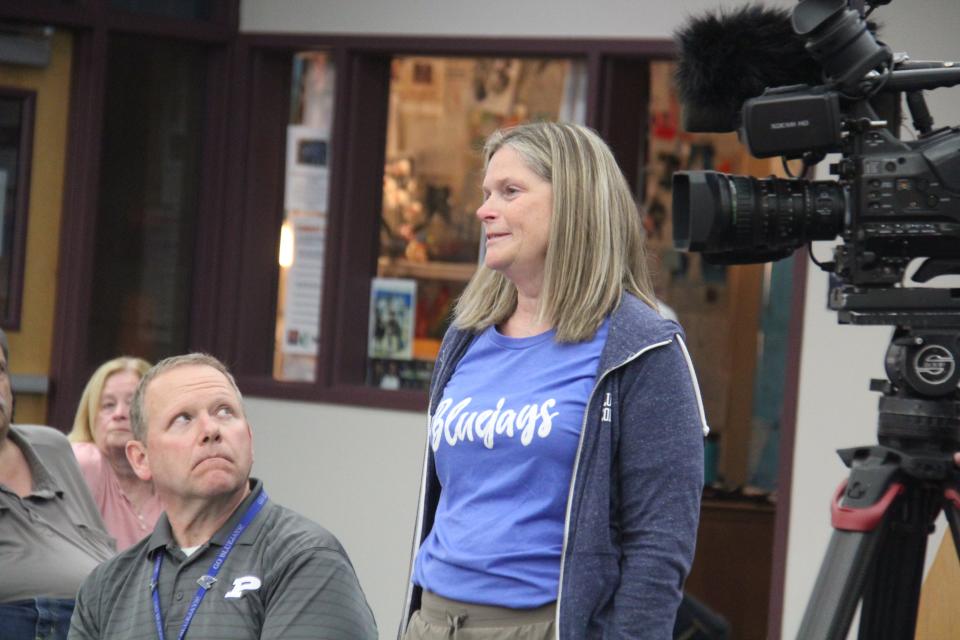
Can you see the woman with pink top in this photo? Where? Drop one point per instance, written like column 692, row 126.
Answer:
column 101, row 430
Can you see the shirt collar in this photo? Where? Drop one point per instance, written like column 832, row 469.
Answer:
column 44, row 483
column 162, row 536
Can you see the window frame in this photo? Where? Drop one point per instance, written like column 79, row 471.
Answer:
column 99, row 14
column 256, row 170
column 21, row 206
column 93, row 23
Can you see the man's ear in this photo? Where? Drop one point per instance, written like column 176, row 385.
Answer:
column 138, row 459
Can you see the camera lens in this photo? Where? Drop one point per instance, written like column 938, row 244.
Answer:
column 739, row 219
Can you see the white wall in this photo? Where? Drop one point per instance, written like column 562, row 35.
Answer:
column 357, row 471
column 491, row 18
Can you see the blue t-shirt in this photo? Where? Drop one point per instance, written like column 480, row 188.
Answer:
column 504, row 436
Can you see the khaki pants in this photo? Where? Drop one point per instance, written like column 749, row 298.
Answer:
column 443, row 619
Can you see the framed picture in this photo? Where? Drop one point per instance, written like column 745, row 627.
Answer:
column 392, row 318
column 16, row 144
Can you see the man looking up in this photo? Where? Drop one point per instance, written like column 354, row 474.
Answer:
column 51, row 534
column 263, row 571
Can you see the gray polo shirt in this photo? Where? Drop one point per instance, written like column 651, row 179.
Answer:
column 286, row 577
column 51, row 539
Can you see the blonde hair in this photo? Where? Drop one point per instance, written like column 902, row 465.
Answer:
column 596, row 247
column 84, row 423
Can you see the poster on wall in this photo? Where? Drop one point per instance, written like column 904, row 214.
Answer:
column 301, row 323
column 308, row 173
column 392, row 318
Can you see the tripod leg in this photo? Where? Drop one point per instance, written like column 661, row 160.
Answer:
column 952, row 510
column 882, row 565
column 891, row 597
column 858, row 525
column 839, row 585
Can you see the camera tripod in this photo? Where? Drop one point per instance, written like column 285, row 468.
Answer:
column 884, row 511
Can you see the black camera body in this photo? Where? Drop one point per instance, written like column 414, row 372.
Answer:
column 904, row 204
column 893, row 201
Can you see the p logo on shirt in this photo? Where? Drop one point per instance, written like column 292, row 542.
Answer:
column 245, row 583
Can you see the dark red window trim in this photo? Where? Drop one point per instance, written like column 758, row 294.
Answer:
column 21, row 205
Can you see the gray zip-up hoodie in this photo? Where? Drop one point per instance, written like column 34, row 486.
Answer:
column 634, row 500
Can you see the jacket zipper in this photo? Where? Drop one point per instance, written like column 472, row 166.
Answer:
column 576, row 465
column 418, row 526
column 404, row 617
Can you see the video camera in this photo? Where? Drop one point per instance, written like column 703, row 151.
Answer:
column 802, row 85
column 893, row 201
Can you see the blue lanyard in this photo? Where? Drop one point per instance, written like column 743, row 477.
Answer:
column 205, row 581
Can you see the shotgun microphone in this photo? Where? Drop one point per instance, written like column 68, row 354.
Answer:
column 730, row 56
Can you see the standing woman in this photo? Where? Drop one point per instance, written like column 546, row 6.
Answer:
column 564, row 462
column 101, row 430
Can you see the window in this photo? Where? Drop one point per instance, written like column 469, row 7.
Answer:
column 16, row 140
column 303, row 236
column 149, row 197
column 441, row 110
column 358, row 186
column 143, row 180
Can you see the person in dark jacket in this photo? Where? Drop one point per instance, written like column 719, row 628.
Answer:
column 564, row 456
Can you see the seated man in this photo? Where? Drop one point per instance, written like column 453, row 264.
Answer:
column 51, row 534
column 263, row 571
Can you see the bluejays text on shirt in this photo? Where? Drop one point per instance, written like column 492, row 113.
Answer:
column 453, row 423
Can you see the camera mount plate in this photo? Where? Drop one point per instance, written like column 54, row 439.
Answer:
column 918, row 307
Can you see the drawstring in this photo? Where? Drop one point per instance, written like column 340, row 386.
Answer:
column 455, row 622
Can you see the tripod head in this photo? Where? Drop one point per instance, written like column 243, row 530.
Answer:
column 919, row 410
column 883, row 513
column 920, row 406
